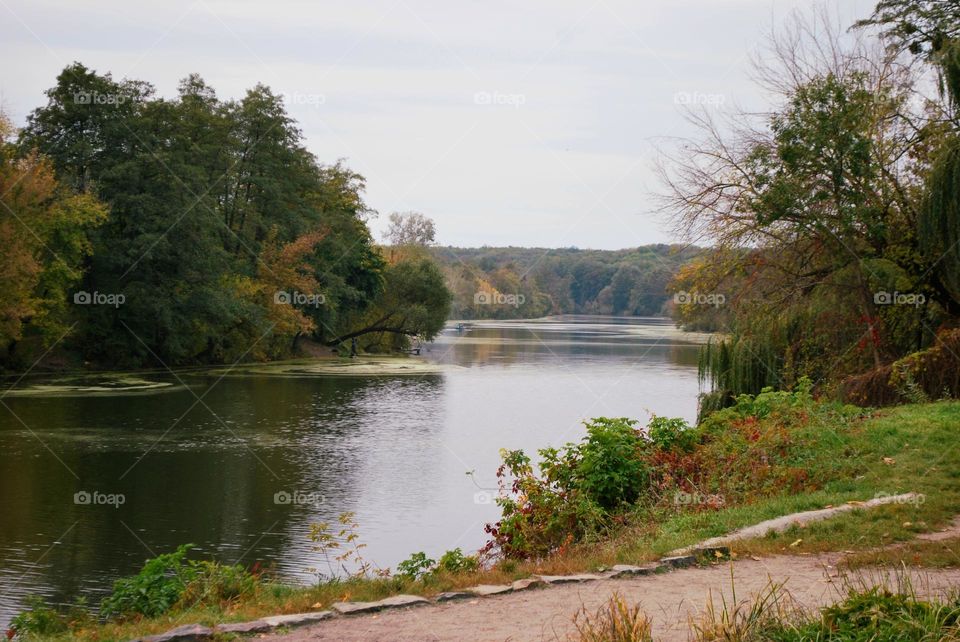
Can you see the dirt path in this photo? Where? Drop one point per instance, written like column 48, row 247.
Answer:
column 670, row 599
column 546, row 614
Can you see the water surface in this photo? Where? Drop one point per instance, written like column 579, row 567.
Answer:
column 245, row 469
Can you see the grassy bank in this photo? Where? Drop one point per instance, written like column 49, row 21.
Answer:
column 891, row 612
column 755, row 463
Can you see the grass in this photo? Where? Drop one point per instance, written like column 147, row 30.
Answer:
column 615, row 622
column 940, row 554
column 888, row 611
column 869, row 609
column 908, row 448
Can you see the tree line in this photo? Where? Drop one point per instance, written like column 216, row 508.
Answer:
column 516, row 282
column 141, row 230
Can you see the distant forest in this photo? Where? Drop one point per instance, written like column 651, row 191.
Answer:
column 517, row 282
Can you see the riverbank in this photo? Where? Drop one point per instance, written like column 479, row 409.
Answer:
column 879, row 454
column 158, row 380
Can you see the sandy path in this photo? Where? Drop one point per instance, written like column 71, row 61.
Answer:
column 546, row 614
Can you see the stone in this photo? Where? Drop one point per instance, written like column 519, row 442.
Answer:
column 680, row 561
column 453, row 595
column 624, row 570
column 398, row 601
column 568, row 579
column 529, row 582
column 297, row 619
column 484, row 590
column 255, row 626
column 712, row 552
column 184, row 633
column 353, row 608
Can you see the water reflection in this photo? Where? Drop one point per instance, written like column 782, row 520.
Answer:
column 395, row 450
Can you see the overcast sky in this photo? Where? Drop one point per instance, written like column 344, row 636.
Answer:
column 529, row 123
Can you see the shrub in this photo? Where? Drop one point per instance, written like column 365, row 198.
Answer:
column 152, row 591
column 456, row 562
column 169, row 579
column 37, row 620
column 340, row 547
column 418, row 566
column 415, row 567
column 608, row 464
column 672, row 434
column 539, row 514
column 578, row 486
column 214, row 583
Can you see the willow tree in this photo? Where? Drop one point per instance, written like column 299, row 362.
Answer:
column 930, row 30
column 939, row 223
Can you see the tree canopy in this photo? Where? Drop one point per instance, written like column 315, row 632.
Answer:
column 832, row 216
column 225, row 238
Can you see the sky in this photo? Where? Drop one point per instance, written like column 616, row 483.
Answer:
column 534, row 123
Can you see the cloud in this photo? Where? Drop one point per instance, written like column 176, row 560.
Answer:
column 524, row 123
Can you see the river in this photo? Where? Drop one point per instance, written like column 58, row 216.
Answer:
column 92, row 485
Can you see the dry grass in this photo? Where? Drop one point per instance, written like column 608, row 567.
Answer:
column 616, row 621
column 744, row 620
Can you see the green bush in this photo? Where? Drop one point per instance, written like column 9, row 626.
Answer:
column 672, row 434
column 606, row 467
column 38, row 620
column 456, row 562
column 578, row 486
column 415, row 567
column 169, row 579
column 152, row 591
column 610, row 469
column 418, row 566
column 215, row 583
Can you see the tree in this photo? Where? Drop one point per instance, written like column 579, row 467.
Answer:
column 410, row 228
column 79, row 126
column 215, row 208
column 415, row 302
column 43, row 230
column 930, row 29
column 813, row 209
column 921, row 26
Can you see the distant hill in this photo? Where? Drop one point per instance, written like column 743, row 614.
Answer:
column 521, row 282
